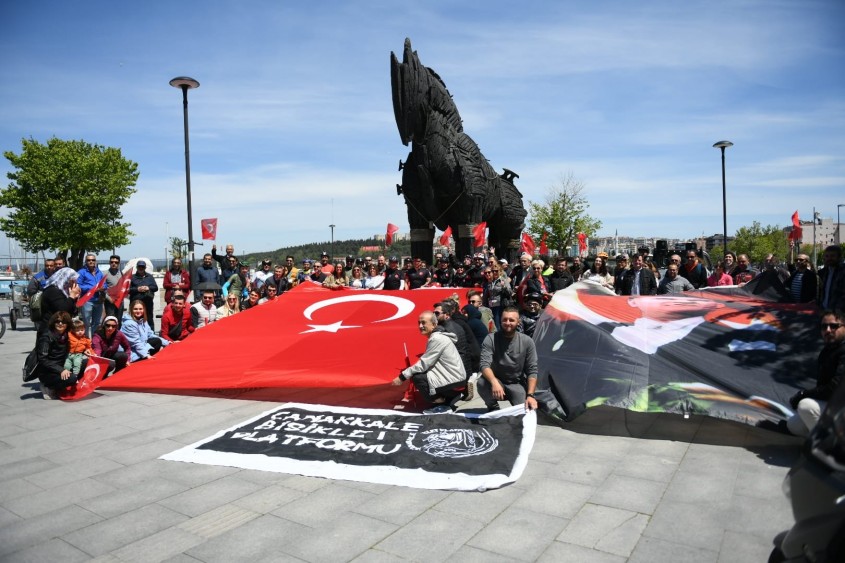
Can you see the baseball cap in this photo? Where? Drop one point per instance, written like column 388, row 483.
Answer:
column 141, row 264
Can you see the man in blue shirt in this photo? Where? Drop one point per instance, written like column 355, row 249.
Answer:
column 89, row 277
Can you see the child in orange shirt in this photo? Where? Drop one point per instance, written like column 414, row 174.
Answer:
column 79, row 347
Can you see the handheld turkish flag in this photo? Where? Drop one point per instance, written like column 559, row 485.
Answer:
column 479, row 232
column 90, row 293
column 527, row 244
column 95, row 370
column 391, row 230
column 582, row 243
column 444, row 238
column 119, row 292
column 797, row 232
column 544, row 250
column 209, row 229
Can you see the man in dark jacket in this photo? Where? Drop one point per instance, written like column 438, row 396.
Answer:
column 639, row 280
column 803, row 283
column 809, row 403
column 694, row 271
column 463, row 343
column 479, row 329
column 143, row 286
column 450, row 308
column 561, row 278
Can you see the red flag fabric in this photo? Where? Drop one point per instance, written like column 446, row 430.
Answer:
column 527, row 244
column 391, row 230
column 544, row 250
column 303, row 339
column 90, row 293
column 95, row 370
column 444, row 238
column 209, row 229
column 797, row 232
column 479, row 232
column 119, row 292
column 582, row 242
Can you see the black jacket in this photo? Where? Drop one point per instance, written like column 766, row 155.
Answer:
column 52, row 350
column 137, row 281
column 53, row 300
column 472, row 342
column 558, row 281
column 648, row 285
column 809, row 286
column 831, row 372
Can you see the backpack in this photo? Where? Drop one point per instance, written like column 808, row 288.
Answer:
column 35, row 307
column 30, row 365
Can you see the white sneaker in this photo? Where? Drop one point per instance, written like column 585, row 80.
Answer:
column 47, row 393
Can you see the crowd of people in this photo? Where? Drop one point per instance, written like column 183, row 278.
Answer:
column 223, row 287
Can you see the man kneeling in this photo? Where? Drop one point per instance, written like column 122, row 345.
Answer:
column 440, row 369
column 508, row 365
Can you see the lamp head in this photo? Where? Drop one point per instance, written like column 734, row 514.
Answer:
column 723, row 145
column 184, row 82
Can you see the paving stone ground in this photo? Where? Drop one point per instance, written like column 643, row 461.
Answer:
column 81, row 481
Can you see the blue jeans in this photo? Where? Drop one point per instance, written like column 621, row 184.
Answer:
column 92, row 314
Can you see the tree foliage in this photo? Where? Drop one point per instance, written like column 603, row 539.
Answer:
column 562, row 215
column 342, row 249
column 66, row 196
column 757, row 242
column 178, row 247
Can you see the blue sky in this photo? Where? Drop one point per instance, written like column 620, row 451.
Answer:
column 294, row 109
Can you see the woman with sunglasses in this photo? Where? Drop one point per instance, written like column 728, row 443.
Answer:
column 108, row 342
column 496, row 292
column 357, row 280
column 52, row 351
column 232, row 306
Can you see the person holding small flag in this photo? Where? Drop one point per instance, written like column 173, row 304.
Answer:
column 90, row 277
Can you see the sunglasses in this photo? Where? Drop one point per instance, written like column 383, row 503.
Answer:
column 64, row 323
column 831, row 326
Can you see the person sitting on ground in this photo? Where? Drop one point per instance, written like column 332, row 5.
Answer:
column 532, row 304
column 251, row 300
column 673, row 282
column 337, row 279
column 79, row 347
column 508, row 365
column 143, row 342
column 231, row 306
column 269, row 294
column 176, row 321
column 108, row 342
column 719, row 276
column 52, row 351
column 439, row 369
column 809, row 403
column 204, row 312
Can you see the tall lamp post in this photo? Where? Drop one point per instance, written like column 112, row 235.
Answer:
column 723, row 145
column 185, row 83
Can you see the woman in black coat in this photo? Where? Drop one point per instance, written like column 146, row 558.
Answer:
column 52, row 350
column 60, row 294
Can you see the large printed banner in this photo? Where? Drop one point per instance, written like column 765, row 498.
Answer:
column 446, row 451
column 722, row 352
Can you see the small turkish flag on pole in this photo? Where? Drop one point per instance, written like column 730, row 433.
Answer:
column 444, row 238
column 90, row 293
column 391, row 230
column 209, row 229
column 119, row 292
column 527, row 244
column 479, row 232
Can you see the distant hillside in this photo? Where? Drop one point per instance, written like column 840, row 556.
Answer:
column 342, row 249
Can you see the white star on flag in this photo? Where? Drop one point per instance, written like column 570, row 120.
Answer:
column 334, row 327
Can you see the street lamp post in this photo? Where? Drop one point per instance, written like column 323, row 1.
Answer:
column 185, row 83
column 723, row 145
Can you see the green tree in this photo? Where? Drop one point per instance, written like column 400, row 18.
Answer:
column 177, row 247
column 66, row 196
column 562, row 215
column 757, row 242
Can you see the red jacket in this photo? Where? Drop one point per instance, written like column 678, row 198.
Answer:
column 169, row 321
column 169, row 285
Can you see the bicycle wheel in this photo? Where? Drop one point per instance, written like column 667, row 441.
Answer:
column 2, row 327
